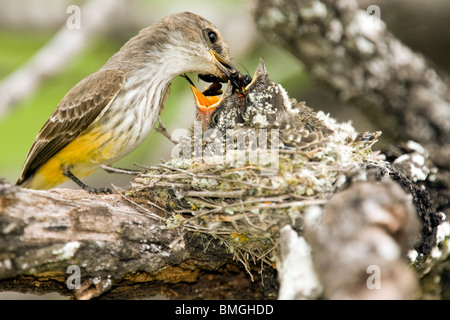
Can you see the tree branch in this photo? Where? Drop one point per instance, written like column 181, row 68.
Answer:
column 120, row 249
column 373, row 247
column 354, row 55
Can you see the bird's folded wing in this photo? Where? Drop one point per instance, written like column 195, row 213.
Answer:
column 76, row 111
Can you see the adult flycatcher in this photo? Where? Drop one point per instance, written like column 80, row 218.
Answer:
column 109, row 113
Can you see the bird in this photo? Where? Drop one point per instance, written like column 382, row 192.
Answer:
column 263, row 104
column 110, row 112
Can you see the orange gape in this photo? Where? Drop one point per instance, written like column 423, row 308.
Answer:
column 202, row 100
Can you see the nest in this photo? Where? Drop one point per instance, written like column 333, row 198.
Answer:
column 245, row 204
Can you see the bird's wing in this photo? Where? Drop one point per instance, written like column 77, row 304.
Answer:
column 76, row 111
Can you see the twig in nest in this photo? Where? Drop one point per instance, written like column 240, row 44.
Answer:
column 216, row 194
column 119, row 170
column 241, row 258
column 143, row 166
column 210, row 176
column 151, row 214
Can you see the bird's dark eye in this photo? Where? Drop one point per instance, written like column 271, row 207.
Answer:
column 212, row 36
column 215, row 117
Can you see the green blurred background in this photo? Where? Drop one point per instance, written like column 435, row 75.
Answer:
column 26, row 26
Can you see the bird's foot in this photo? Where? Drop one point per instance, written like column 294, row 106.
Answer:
column 104, row 190
column 85, row 187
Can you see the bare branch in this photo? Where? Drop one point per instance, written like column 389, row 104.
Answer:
column 369, row 254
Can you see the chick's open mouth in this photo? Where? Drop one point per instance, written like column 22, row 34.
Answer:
column 208, row 100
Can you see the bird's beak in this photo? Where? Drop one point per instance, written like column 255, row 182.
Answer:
column 227, row 68
column 205, row 105
column 260, row 72
column 260, row 69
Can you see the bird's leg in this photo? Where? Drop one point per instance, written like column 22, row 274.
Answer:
column 119, row 170
column 85, row 187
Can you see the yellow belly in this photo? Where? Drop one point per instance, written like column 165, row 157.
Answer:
column 82, row 156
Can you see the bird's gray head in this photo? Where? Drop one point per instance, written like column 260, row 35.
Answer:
column 177, row 44
column 258, row 106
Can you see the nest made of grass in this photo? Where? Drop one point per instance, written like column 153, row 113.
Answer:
column 245, row 205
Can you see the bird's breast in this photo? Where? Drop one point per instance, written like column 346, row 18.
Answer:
column 131, row 116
